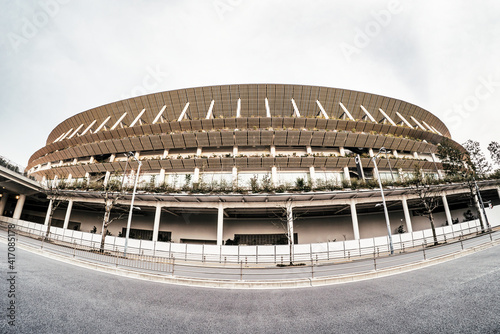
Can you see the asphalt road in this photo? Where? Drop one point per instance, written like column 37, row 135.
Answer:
column 459, row 296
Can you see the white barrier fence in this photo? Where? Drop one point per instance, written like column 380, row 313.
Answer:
column 275, row 254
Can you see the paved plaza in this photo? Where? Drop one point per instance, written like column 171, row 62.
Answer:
column 459, row 296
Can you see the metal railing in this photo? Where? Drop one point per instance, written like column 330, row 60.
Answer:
column 243, row 271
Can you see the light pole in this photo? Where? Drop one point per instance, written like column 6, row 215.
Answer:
column 129, row 222
column 482, row 204
column 387, row 222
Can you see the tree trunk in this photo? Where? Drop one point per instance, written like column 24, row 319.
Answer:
column 105, row 224
column 431, row 219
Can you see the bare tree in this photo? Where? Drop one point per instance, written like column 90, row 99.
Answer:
column 429, row 198
column 53, row 192
column 285, row 222
column 111, row 197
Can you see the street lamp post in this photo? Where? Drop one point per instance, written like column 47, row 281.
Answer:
column 387, row 222
column 129, row 222
column 482, row 204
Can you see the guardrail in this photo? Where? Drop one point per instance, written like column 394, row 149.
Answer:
column 243, row 271
column 272, row 254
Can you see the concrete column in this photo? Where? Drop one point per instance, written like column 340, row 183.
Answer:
column 165, row 154
column 19, row 207
column 235, row 151
column 137, row 155
column 161, row 178
column 370, row 151
column 220, row 225
column 47, row 216
column 3, row 203
column 92, row 160
column 406, row 211
column 112, row 158
column 342, row 151
column 70, row 178
column 156, row 226
column 447, row 210
column 106, row 178
column 312, row 175
column 196, row 176
column 274, row 175
column 354, row 216
column 395, row 153
column 309, row 150
column 68, row 214
column 198, row 151
column 273, row 150
column 346, row 174
column 415, row 155
column 235, row 176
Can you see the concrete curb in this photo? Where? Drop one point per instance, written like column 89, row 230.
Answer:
column 274, row 284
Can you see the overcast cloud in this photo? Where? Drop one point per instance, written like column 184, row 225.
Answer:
column 59, row 58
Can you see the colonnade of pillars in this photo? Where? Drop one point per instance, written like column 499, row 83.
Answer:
column 220, row 215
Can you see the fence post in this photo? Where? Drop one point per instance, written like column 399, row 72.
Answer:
column 328, row 251
column 312, row 268
column 423, row 250
column 375, row 264
column 256, row 254
column 241, row 270
column 116, row 257
column 74, row 248
column 173, row 265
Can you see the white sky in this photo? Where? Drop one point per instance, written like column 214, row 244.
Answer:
column 61, row 57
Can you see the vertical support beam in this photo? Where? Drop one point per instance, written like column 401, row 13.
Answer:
column 342, row 151
column 347, row 177
column 19, row 207
column 47, row 216
column 165, row 154
column 447, row 210
column 268, row 111
column 161, row 178
column 354, row 215
column 5, row 196
column 238, row 109
column 235, row 176
column 196, row 176
column 106, row 178
column 274, row 175
column 68, row 214
column 415, row 155
column 312, row 175
column 156, row 226
column 235, row 151
column 273, row 150
column 406, row 211
column 220, row 225
column 370, row 151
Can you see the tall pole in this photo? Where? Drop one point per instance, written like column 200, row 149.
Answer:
column 482, row 204
column 387, row 222
column 129, row 222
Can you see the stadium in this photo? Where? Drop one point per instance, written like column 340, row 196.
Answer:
column 247, row 164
